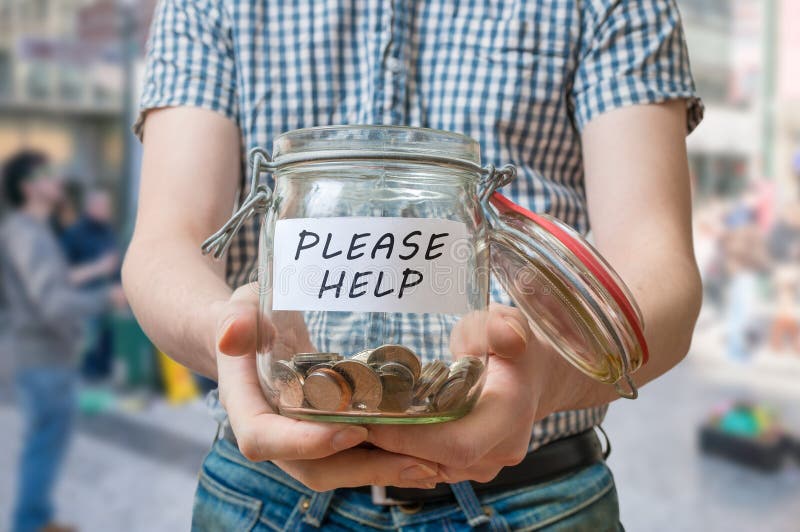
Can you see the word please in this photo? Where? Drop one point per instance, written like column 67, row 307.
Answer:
column 384, row 244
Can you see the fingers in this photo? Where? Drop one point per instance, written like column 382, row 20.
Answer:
column 294, row 335
column 458, row 444
column 262, row 434
column 363, row 467
column 236, row 325
column 468, row 336
column 507, row 331
column 509, row 453
column 274, row 437
column 495, row 432
column 479, row 473
column 501, row 330
column 265, row 435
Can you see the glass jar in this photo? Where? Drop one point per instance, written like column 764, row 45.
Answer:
column 375, row 255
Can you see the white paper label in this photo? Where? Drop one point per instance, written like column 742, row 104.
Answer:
column 366, row 264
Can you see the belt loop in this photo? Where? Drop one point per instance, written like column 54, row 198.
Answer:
column 607, row 451
column 318, row 507
column 469, row 503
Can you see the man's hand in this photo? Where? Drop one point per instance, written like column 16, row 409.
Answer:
column 323, row 456
column 497, row 431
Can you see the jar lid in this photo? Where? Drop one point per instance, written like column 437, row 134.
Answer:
column 571, row 296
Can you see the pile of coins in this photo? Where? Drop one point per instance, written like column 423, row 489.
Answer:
column 389, row 378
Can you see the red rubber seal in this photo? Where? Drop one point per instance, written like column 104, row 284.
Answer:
column 585, row 256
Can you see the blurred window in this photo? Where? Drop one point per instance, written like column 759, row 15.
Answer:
column 5, row 14
column 5, row 74
column 38, row 10
column 718, row 175
column 102, row 95
column 70, row 84
column 38, row 82
column 713, row 83
column 711, row 14
column 709, row 26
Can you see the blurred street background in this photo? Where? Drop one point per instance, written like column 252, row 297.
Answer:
column 704, row 448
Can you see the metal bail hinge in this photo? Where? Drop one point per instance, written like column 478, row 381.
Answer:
column 256, row 202
column 494, row 179
column 632, row 392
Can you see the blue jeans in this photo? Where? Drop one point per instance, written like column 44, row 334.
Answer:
column 46, row 399
column 235, row 494
column 100, row 346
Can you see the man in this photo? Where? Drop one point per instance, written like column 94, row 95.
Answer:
column 91, row 239
column 590, row 100
column 44, row 332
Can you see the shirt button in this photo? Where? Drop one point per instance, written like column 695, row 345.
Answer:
column 393, row 64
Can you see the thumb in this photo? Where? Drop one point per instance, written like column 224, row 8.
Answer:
column 508, row 332
column 236, row 325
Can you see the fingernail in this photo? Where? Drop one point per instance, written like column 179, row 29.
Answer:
column 344, row 439
column 517, row 329
column 417, row 472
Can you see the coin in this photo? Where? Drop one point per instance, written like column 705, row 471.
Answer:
column 288, row 383
column 305, row 361
column 398, row 387
column 452, row 396
column 315, row 367
column 434, row 375
column 365, row 383
column 470, row 367
column 362, row 356
column 325, row 389
column 396, row 353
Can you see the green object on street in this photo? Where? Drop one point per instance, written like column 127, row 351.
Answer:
column 134, row 353
column 740, row 423
column 95, row 401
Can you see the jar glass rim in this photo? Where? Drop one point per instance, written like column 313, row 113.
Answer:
column 391, row 140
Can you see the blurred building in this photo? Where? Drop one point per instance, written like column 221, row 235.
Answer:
column 68, row 71
column 64, row 80
column 743, row 55
column 720, row 35
column 787, row 95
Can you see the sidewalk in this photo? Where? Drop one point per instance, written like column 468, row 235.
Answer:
column 126, row 472
column 666, row 485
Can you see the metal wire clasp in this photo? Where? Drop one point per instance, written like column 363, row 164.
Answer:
column 256, row 202
column 493, row 179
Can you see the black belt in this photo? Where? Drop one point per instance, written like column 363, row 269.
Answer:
column 546, row 463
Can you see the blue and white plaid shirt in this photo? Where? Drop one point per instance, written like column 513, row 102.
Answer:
column 521, row 77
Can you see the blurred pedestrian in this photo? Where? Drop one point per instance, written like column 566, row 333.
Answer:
column 709, row 232
column 45, row 311
column 69, row 209
column 91, row 240
column 784, row 244
column 785, row 329
column 745, row 257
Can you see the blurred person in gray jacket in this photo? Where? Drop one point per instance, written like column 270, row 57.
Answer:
column 43, row 333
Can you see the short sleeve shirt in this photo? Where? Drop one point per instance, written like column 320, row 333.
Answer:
column 523, row 78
